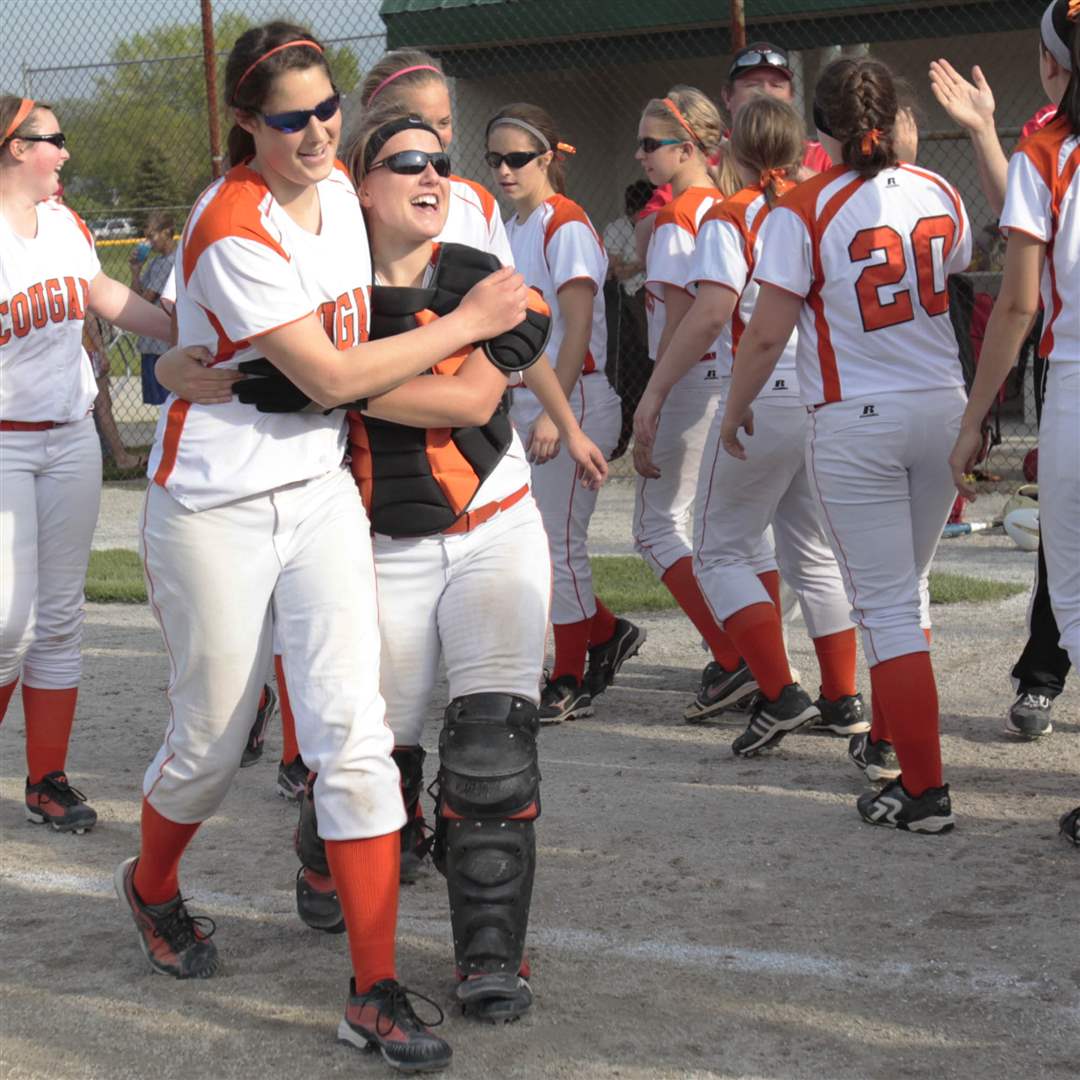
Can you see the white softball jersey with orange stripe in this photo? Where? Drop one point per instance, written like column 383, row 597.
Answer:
column 871, row 258
column 1043, row 200
column 244, row 269
column 728, row 247
column 554, row 245
column 669, row 259
column 473, row 219
column 45, row 373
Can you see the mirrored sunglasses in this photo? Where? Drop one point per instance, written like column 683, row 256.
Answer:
column 297, row 119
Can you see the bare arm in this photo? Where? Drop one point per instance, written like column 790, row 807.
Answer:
column 642, row 235
column 576, row 308
column 676, row 304
column 116, row 303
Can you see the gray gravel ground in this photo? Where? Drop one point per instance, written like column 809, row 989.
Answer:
column 695, row 915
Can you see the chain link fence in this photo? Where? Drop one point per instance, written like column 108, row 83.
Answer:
column 128, row 81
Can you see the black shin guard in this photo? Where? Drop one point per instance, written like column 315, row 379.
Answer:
column 489, row 796
column 415, row 838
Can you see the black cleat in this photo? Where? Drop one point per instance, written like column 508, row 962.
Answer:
column 1070, row 826
column 721, row 692
column 844, row 716
column 257, row 736
column 893, row 807
column 772, row 720
column 53, row 801
column 292, row 779
column 497, row 998
column 605, row 661
column 877, row 760
column 1029, row 716
column 564, row 698
column 317, row 902
column 384, row 1020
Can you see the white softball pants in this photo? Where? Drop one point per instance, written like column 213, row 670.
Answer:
column 220, row 581
column 478, row 600
column 738, row 500
column 50, row 492
column 1059, row 499
column 879, row 466
column 663, row 508
column 565, row 506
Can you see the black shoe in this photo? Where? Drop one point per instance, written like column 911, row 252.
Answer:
column 257, row 735
column 498, row 999
column 844, row 716
column 1070, row 826
column 893, row 807
column 317, row 902
column 174, row 942
column 721, row 691
column 564, row 698
column 1029, row 716
column 383, row 1020
column 877, row 760
column 773, row 720
column 605, row 661
column 292, row 779
column 53, row 801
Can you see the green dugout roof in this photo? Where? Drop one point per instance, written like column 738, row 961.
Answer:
column 512, row 34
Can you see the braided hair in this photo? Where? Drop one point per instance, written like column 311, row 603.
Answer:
column 856, row 101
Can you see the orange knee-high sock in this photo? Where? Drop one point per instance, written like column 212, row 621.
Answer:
column 290, row 750
column 836, row 659
column 163, row 843
column 571, row 643
column 771, row 580
column 5, row 696
column 679, row 580
column 759, row 637
column 365, row 873
column 602, row 628
column 910, row 703
column 49, row 716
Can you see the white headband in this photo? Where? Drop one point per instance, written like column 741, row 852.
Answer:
column 1052, row 40
column 536, row 132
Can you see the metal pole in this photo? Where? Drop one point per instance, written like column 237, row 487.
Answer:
column 210, row 67
column 738, row 25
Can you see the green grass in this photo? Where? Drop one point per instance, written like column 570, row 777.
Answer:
column 624, row 581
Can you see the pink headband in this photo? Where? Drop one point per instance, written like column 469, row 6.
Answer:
column 266, row 55
column 398, row 74
column 26, row 107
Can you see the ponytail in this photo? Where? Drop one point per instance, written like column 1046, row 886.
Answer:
column 767, row 138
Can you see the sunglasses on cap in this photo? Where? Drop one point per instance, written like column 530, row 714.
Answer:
column 288, row 123
column 414, row 162
column 516, row 160
column 749, row 59
column 650, row 146
column 57, row 139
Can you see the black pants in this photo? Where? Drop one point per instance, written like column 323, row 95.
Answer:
column 1043, row 664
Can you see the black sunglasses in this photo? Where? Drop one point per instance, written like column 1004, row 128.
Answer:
column 297, row 119
column 517, row 160
column 414, row 162
column 57, row 139
column 650, row 146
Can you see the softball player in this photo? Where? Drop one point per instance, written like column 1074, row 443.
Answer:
column 859, row 257
column 250, row 513
column 737, row 501
column 676, row 137
column 50, row 459
column 1042, row 260
column 556, row 248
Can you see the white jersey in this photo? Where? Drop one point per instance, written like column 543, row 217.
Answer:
column 554, row 245
column 728, row 246
column 246, row 268
column 670, row 255
column 473, row 219
column 45, row 374
column 872, row 260
column 1043, row 200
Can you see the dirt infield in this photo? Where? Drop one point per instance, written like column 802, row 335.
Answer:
column 695, row 915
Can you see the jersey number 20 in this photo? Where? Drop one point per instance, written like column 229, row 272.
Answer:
column 931, row 241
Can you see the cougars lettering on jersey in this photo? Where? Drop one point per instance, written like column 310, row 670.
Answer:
column 670, row 255
column 557, row 244
column 44, row 288
column 728, row 246
column 473, row 219
column 872, row 260
column 245, row 268
column 1043, row 200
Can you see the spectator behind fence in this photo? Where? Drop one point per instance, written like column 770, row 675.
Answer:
column 623, row 259
column 112, row 444
column 149, row 273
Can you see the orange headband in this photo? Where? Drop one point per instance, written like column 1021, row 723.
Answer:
column 674, row 110
column 26, row 107
column 266, row 55
column 870, row 140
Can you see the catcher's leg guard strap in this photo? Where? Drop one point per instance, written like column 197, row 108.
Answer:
column 309, row 845
column 410, row 763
